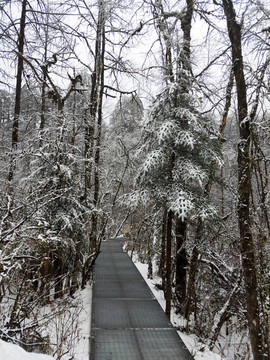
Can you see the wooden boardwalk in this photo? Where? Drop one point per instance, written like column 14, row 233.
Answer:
column 127, row 321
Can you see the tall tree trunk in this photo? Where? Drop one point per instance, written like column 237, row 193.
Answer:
column 17, row 107
column 89, row 129
column 100, row 52
column 245, row 187
column 186, row 20
column 43, row 111
column 162, row 262
column 43, row 88
column 181, row 260
column 90, row 123
column 191, row 293
column 168, row 288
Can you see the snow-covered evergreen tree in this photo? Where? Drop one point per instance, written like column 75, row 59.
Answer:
column 180, row 144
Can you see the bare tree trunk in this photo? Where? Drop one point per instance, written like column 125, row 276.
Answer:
column 43, row 110
column 161, row 270
column 100, row 52
column 149, row 254
column 186, row 20
column 88, row 148
column 168, row 288
column 181, row 260
column 17, row 108
column 244, row 187
column 191, row 294
column 43, row 89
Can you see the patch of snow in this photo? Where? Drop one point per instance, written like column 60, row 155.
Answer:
column 10, row 351
column 199, row 350
column 82, row 349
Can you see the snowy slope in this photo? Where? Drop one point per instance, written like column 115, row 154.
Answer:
column 10, row 351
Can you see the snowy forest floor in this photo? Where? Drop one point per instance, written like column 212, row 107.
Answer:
column 70, row 333
column 79, row 341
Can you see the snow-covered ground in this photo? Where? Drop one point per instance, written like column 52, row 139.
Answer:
column 9, row 351
column 82, row 348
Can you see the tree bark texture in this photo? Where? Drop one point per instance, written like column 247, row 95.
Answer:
column 93, row 126
column 161, row 270
column 168, row 289
column 191, row 294
column 100, row 52
column 163, row 29
column 181, row 260
column 90, row 123
column 244, row 186
column 43, row 88
column 186, row 27
column 18, row 91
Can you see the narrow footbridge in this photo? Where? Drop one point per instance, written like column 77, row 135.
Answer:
column 127, row 321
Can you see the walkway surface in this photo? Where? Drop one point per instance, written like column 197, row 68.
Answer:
column 127, row 321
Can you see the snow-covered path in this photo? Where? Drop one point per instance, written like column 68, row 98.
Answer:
column 128, row 322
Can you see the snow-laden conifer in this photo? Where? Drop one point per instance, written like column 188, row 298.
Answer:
column 180, row 144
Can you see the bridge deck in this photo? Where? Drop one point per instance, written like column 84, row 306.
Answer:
column 127, row 321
